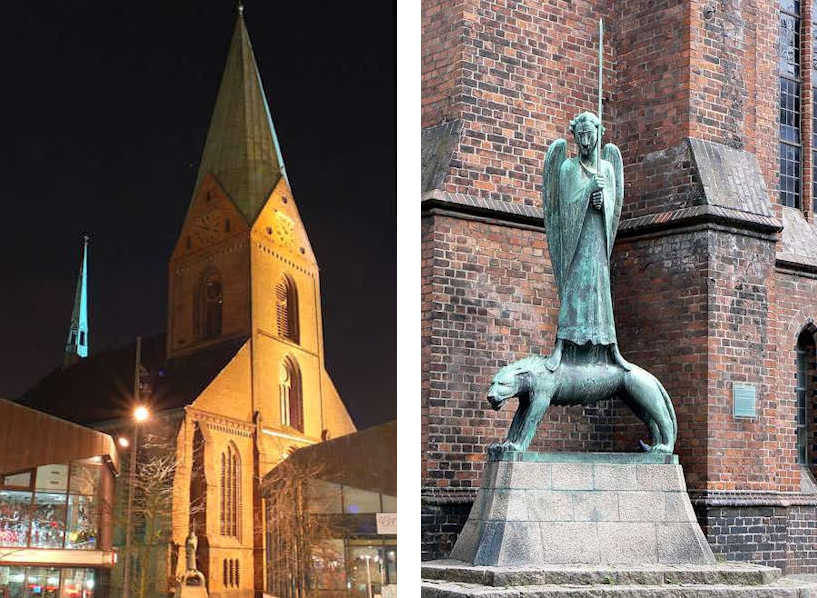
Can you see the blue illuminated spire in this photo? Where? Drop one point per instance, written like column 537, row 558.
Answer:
column 76, row 347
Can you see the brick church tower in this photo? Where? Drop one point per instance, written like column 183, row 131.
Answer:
column 714, row 289
column 238, row 380
column 243, row 270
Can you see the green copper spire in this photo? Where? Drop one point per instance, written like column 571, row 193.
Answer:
column 76, row 347
column 242, row 150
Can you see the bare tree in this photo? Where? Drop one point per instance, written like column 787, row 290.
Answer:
column 151, row 516
column 299, row 524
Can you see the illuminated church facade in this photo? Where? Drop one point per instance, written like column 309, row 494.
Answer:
column 239, row 376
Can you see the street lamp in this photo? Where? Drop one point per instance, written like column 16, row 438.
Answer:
column 140, row 414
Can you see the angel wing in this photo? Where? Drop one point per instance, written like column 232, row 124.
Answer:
column 550, row 205
column 611, row 154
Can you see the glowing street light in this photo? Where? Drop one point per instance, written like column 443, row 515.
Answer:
column 123, row 442
column 141, row 413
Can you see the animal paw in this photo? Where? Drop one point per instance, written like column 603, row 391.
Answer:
column 655, row 448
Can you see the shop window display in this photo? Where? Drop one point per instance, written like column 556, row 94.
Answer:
column 12, row 581
column 15, row 509
column 42, row 582
column 61, row 512
column 48, row 520
column 77, row 583
column 82, row 522
column 46, row 582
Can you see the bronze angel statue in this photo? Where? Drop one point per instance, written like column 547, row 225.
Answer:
column 582, row 202
column 582, row 199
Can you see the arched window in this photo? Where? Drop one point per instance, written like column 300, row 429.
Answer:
column 230, row 492
column 209, row 305
column 805, row 390
column 290, row 395
column 286, row 308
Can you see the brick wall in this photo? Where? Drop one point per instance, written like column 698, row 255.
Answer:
column 441, row 523
column 660, row 301
column 753, row 454
column 796, row 308
column 733, row 77
column 521, row 71
column 488, row 298
column 700, row 304
column 776, row 536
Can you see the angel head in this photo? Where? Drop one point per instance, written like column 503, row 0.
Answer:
column 585, row 128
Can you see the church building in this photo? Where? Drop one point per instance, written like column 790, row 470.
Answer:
column 238, row 380
column 714, row 267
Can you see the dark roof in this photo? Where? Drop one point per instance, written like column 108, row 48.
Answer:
column 58, row 441
column 365, row 459
column 100, row 387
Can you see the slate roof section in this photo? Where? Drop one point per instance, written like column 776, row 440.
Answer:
column 731, row 178
column 100, row 387
column 437, row 146
column 798, row 245
column 242, row 150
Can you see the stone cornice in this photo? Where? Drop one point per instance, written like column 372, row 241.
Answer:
column 447, row 496
column 750, row 498
column 703, row 498
column 698, row 215
column 495, row 210
column 223, row 423
column 510, row 213
column 797, row 264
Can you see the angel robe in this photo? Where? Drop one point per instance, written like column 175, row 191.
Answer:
column 586, row 312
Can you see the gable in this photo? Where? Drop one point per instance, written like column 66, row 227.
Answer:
column 211, row 219
column 279, row 224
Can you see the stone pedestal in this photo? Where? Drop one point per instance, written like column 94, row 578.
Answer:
column 191, row 585
column 582, row 508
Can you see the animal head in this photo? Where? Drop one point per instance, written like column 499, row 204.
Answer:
column 512, row 380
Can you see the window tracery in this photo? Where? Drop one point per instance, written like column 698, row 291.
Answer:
column 290, row 395
column 286, row 309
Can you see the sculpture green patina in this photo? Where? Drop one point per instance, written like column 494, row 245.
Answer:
column 582, row 199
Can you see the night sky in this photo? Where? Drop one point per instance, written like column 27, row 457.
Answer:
column 105, row 108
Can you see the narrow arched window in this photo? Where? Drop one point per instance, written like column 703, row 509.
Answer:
column 805, row 391
column 223, row 495
column 230, row 492
column 290, row 395
column 286, row 309
column 209, row 303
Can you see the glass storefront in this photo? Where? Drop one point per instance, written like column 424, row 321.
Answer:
column 372, row 565
column 46, row 582
column 52, row 506
column 359, row 565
